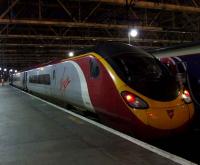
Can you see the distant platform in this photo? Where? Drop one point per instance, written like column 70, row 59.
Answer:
column 35, row 132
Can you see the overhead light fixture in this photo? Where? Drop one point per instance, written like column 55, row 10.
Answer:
column 4, row 69
column 133, row 32
column 10, row 70
column 71, row 54
column 15, row 71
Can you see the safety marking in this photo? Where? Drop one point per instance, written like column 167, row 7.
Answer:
column 75, row 119
column 142, row 144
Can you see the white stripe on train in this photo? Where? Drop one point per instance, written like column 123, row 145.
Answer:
column 84, row 87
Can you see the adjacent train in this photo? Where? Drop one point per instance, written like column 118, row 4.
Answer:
column 128, row 89
column 184, row 60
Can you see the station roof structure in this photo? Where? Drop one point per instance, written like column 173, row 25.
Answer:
column 33, row 32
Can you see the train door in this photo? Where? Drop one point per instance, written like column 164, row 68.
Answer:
column 25, row 81
column 58, row 81
column 53, row 81
column 57, row 77
column 63, row 72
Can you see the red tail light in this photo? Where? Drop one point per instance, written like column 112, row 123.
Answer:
column 133, row 100
column 186, row 96
column 130, row 98
column 186, row 93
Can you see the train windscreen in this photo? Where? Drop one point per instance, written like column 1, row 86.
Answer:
column 146, row 74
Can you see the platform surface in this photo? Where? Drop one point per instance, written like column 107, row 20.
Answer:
column 33, row 132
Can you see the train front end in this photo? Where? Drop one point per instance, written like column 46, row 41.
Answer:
column 159, row 118
column 150, row 92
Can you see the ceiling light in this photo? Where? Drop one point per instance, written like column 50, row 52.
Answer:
column 71, row 54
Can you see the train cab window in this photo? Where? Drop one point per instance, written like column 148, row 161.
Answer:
column 146, row 75
column 94, row 68
column 138, row 68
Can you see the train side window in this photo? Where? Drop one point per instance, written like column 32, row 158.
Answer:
column 94, row 68
column 40, row 79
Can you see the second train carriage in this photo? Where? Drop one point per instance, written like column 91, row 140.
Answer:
column 126, row 87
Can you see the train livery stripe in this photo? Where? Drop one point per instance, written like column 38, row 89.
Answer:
column 84, row 87
column 142, row 144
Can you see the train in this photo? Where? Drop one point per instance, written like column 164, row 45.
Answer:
column 126, row 87
column 184, row 61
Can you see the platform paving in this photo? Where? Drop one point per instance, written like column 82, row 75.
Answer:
column 35, row 133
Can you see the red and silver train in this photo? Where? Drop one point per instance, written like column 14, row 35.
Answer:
column 127, row 88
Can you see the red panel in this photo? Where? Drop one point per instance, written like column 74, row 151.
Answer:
column 101, row 89
column 110, row 107
column 106, row 99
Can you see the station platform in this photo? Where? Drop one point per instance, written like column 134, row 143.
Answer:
column 34, row 132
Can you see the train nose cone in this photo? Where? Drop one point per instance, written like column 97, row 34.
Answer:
column 168, row 118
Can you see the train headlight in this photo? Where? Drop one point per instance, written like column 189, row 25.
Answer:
column 186, row 96
column 133, row 100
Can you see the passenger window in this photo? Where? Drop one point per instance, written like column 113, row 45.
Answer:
column 94, row 68
column 40, row 79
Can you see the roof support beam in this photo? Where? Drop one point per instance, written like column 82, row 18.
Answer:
column 43, row 45
column 91, row 12
column 9, row 8
column 75, row 24
column 155, row 5
column 66, row 10
column 43, row 37
column 22, row 56
column 39, row 9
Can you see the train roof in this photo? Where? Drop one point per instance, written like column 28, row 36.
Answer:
column 106, row 50
column 109, row 49
column 178, row 50
column 179, row 46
